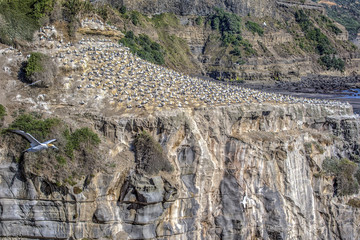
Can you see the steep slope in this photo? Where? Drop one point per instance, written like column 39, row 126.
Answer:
column 218, row 170
column 237, row 172
column 259, row 8
column 269, row 47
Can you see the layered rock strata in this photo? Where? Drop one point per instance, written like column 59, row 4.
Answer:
column 238, row 172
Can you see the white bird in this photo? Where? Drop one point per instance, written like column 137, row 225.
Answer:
column 244, row 201
column 35, row 144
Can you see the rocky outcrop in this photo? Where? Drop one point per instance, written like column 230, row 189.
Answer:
column 239, row 172
column 259, row 8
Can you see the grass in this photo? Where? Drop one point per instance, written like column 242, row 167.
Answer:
column 254, row 28
column 165, row 20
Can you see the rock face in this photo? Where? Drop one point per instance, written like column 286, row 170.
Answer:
column 239, row 172
column 258, row 8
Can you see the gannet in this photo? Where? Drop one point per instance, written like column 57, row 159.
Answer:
column 35, row 144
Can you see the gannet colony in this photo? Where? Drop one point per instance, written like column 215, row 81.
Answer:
column 102, row 69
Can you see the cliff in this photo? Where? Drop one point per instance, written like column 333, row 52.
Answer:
column 237, row 172
column 258, row 8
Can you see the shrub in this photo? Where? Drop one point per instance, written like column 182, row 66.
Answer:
column 134, row 18
column 199, row 20
column 332, row 63
column 254, row 28
column 122, row 9
column 40, row 68
column 2, row 112
column 343, row 171
column 61, row 160
column 334, row 28
column 34, row 125
column 34, row 64
column 144, row 47
column 236, row 51
column 319, row 41
column 303, row 20
column 79, row 138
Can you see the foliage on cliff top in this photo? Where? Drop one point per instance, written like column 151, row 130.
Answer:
column 149, row 154
column 33, row 124
column 78, row 154
column 343, row 171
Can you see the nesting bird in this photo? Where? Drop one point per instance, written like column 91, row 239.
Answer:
column 113, row 72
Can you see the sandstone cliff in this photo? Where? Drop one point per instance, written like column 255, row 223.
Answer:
column 258, row 8
column 240, row 172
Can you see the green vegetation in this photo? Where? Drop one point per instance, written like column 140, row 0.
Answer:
column 144, row 47
column 343, row 170
column 322, row 43
column 199, row 20
column 61, row 160
column 17, row 21
column 35, row 64
column 228, row 24
column 332, row 63
column 2, row 112
column 225, row 22
column 165, row 20
column 34, row 125
column 77, row 190
column 316, row 40
column 347, row 13
column 82, row 136
column 334, row 28
column 135, row 18
column 122, row 10
column 254, row 28
column 320, row 40
column 229, row 27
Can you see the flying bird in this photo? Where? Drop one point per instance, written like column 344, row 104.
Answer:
column 35, row 144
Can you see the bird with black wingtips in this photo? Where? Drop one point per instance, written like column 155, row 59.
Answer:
column 35, row 145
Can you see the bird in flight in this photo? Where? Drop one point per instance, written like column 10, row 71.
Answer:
column 35, row 145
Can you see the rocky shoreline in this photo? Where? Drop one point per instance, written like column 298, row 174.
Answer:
column 316, row 86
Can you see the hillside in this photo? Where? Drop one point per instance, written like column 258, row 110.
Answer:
column 345, row 12
column 147, row 151
column 255, row 45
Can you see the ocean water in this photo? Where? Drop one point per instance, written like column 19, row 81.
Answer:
column 351, row 93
